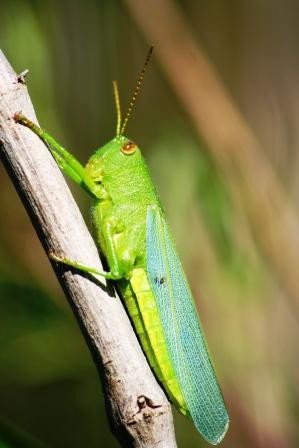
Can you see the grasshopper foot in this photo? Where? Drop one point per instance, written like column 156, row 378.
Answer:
column 80, row 266
column 56, row 258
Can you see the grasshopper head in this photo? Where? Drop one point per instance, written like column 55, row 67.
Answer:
column 117, row 155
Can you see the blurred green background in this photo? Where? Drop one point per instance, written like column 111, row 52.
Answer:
column 218, row 123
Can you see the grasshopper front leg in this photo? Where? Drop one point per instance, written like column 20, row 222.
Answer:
column 72, row 168
column 64, row 159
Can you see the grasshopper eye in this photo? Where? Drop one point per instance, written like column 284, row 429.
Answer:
column 128, row 148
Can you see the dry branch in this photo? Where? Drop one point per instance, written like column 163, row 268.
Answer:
column 126, row 376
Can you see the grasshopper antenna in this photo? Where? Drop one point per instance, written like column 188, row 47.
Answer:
column 136, row 91
column 117, row 106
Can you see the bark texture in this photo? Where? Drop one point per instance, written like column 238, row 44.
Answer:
column 138, row 411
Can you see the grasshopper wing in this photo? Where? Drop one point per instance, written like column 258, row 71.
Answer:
column 182, row 330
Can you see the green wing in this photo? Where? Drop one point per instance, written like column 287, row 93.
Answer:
column 182, row 330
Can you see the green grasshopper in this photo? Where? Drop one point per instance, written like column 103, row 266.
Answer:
column 131, row 231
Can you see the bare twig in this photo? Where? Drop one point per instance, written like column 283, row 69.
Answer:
column 127, row 378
